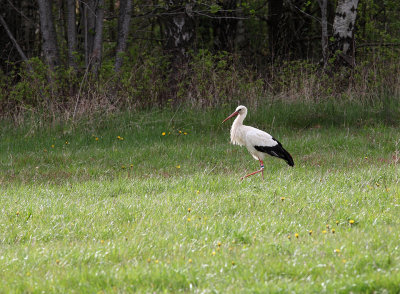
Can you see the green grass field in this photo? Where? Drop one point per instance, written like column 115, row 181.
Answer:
column 112, row 205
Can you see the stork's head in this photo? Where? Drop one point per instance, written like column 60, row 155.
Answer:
column 240, row 110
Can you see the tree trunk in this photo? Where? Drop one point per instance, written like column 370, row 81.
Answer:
column 89, row 20
column 49, row 47
column 71, row 33
column 240, row 29
column 178, row 30
column 343, row 30
column 124, row 19
column 96, row 55
column 224, row 26
column 323, row 4
column 275, row 10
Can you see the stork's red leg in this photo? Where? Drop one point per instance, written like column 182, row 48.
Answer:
column 261, row 170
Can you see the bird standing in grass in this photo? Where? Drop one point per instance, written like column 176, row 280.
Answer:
column 257, row 142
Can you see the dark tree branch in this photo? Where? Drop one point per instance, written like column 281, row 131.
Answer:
column 10, row 35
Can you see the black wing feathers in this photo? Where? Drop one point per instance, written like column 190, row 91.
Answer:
column 277, row 151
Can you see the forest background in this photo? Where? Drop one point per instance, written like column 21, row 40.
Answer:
column 65, row 59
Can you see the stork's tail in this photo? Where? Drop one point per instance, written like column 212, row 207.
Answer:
column 277, row 151
column 286, row 156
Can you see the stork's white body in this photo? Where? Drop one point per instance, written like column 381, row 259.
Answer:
column 257, row 142
column 248, row 136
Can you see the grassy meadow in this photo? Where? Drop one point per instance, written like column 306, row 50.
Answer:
column 150, row 201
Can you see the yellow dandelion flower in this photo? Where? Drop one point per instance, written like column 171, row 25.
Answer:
column 163, row 133
column 213, row 253
column 118, row 137
column 123, row 167
column 197, row 192
column 344, row 260
column 323, row 232
column 190, row 260
column 185, row 133
column 66, row 142
column 156, row 261
column 351, row 221
column 180, row 132
column 337, row 250
column 296, row 235
column 97, row 139
column 333, row 231
column 178, row 166
column 288, row 237
column 327, row 226
column 387, row 189
column 377, row 184
column 219, row 244
column 189, row 219
column 17, row 213
column 218, row 248
column 57, row 261
column 310, row 232
column 189, row 209
column 28, row 274
column 52, row 146
column 337, row 222
column 283, row 198
column 102, row 241
column 233, row 263
column 366, row 157
column 148, row 260
column 131, row 165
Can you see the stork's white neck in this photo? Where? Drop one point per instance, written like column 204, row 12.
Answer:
column 239, row 119
column 236, row 134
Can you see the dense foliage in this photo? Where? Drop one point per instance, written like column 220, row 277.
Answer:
column 198, row 52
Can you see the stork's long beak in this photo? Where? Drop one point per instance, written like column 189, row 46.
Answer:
column 232, row 115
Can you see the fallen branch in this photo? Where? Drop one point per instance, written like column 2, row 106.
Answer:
column 10, row 35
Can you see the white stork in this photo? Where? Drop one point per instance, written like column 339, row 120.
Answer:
column 257, row 142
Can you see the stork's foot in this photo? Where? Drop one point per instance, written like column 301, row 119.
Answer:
column 261, row 170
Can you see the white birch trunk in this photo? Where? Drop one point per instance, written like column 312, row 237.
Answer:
column 343, row 28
